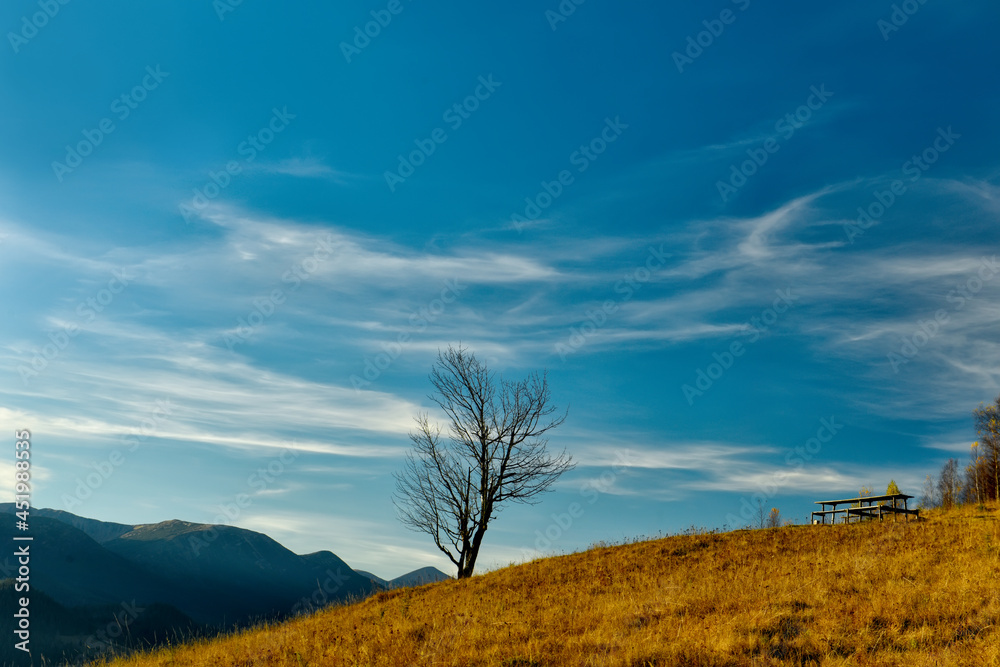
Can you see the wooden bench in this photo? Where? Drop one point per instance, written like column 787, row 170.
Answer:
column 867, row 507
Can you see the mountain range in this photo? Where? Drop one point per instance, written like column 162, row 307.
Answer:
column 425, row 575
column 170, row 578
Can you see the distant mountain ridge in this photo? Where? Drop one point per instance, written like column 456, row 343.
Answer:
column 99, row 531
column 424, row 575
column 220, row 576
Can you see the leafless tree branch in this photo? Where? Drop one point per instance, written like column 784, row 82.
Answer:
column 495, row 451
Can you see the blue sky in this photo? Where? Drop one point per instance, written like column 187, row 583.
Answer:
column 229, row 229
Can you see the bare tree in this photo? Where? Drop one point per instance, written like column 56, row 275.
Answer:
column 974, row 473
column 760, row 515
column 950, row 484
column 988, row 427
column 452, row 487
column 928, row 498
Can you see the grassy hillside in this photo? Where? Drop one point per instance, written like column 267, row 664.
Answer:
column 870, row 594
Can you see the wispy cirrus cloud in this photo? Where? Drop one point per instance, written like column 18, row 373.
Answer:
column 307, row 167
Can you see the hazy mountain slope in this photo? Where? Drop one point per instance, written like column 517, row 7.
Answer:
column 60, row 634
column 326, row 560
column 218, row 575
column 54, row 628
column 424, row 575
column 378, row 580
column 241, row 573
column 100, row 531
column 75, row 570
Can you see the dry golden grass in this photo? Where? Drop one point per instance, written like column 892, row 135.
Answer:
column 863, row 594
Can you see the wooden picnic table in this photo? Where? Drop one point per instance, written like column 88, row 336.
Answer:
column 869, row 507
